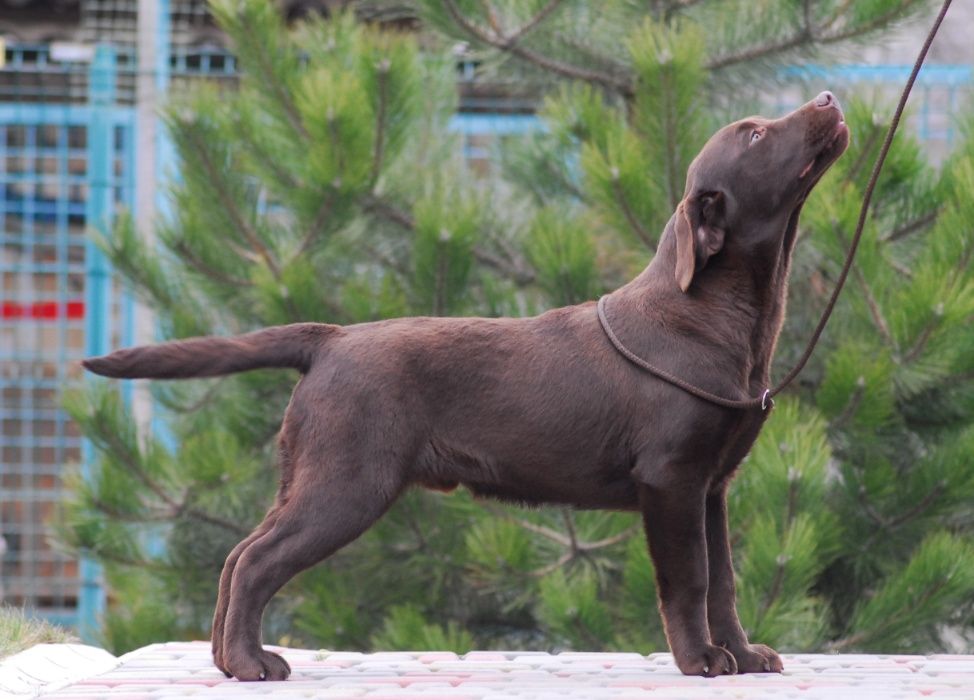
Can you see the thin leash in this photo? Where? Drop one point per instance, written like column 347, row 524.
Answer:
column 766, row 400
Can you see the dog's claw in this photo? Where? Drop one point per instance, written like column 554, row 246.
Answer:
column 709, row 661
column 261, row 666
column 757, row 658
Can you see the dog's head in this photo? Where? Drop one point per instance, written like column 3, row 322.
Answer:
column 751, row 178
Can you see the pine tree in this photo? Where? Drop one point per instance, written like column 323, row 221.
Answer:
column 327, row 187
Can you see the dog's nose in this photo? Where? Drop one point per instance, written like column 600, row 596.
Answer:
column 825, row 99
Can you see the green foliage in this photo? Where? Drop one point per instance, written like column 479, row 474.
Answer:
column 560, row 249
column 327, row 187
column 787, row 538
column 446, row 230
column 19, row 632
column 405, row 629
column 573, row 610
column 670, row 102
column 938, row 576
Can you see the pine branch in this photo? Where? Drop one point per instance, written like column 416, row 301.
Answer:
column 204, row 517
column 673, row 170
column 153, row 515
column 386, row 259
column 801, row 38
column 439, row 294
column 553, row 566
column 609, row 65
column 791, row 509
column 567, row 70
column 610, row 541
column 380, row 120
column 268, row 161
column 851, row 406
column 840, row 644
column 517, row 272
column 314, row 228
column 570, row 542
column 807, row 12
column 375, row 204
column 189, row 256
column 916, row 510
column 633, row 222
column 961, row 266
column 872, row 138
column 115, row 558
column 244, row 253
column 809, row 35
column 531, row 24
column 877, row 315
column 867, row 507
column 546, row 532
column 914, row 352
column 202, row 401
column 911, row 227
column 570, row 527
column 336, row 147
column 276, row 85
column 900, row 268
column 134, row 465
column 226, row 201
column 920, row 506
column 837, row 14
column 556, row 174
column 874, row 310
column 675, row 5
column 879, row 22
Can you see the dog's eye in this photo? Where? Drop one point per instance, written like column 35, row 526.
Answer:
column 756, row 135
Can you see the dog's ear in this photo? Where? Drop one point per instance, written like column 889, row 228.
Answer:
column 699, row 234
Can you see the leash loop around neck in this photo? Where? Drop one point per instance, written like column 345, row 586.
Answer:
column 766, row 400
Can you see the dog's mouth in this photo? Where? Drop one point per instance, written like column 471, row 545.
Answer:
column 830, row 151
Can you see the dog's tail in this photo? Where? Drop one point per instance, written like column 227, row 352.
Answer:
column 293, row 346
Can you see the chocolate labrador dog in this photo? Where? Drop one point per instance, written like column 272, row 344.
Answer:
column 544, row 409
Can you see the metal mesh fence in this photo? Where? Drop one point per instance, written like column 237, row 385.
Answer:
column 44, row 189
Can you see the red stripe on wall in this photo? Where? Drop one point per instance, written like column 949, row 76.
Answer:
column 42, row 310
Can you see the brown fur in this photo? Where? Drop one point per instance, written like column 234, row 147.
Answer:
column 543, row 409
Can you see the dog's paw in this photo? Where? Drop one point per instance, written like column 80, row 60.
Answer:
column 262, row 666
column 218, row 659
column 757, row 658
column 709, row 661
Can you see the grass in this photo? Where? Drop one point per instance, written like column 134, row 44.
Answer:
column 18, row 631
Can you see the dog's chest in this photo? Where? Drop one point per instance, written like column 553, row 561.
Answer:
column 738, row 441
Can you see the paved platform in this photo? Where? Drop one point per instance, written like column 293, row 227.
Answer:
column 183, row 670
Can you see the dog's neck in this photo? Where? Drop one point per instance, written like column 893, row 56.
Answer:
column 734, row 304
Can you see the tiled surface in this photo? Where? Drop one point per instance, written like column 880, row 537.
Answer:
column 184, row 670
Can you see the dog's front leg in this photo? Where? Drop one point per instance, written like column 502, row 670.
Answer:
column 725, row 627
column 673, row 514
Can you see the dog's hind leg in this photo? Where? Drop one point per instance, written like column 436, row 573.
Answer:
column 223, row 594
column 321, row 515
